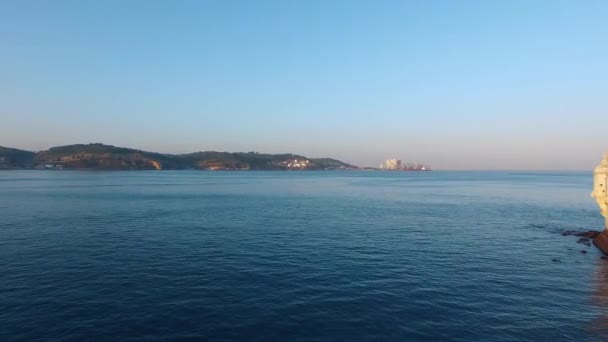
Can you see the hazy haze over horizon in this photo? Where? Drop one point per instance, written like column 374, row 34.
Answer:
column 467, row 85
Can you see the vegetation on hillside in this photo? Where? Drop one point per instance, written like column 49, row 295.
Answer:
column 11, row 158
column 107, row 157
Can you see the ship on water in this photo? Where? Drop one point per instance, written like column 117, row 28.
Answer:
column 398, row 165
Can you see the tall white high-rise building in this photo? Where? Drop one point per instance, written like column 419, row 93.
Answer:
column 393, row 164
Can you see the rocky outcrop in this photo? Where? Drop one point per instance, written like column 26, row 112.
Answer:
column 599, row 238
column 589, row 234
column 601, row 241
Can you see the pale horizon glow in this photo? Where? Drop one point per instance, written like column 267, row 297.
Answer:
column 514, row 85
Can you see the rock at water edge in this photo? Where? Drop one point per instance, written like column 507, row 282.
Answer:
column 601, row 241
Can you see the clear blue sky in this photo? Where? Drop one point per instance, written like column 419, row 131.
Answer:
column 456, row 84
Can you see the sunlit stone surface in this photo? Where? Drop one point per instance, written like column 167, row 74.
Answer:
column 600, row 178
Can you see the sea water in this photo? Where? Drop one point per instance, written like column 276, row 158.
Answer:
column 299, row 256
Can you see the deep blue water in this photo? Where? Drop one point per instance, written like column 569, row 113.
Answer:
column 299, row 256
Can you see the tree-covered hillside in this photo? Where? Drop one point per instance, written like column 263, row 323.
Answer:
column 107, row 157
column 11, row 158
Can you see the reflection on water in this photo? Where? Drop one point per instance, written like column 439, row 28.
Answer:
column 599, row 325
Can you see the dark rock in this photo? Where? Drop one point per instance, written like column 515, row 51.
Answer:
column 585, row 241
column 589, row 234
column 604, row 257
column 592, row 234
column 601, row 241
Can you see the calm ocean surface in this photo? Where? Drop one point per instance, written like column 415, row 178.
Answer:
column 299, row 256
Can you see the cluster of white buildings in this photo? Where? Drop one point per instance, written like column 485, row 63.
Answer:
column 298, row 164
column 392, row 164
column 397, row 164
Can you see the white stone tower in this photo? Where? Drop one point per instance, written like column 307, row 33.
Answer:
column 600, row 188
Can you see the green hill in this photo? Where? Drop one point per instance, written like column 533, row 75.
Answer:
column 101, row 157
column 11, row 158
column 107, row 157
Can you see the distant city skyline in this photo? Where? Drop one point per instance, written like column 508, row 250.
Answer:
column 464, row 85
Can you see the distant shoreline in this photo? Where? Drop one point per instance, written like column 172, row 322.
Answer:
column 107, row 157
